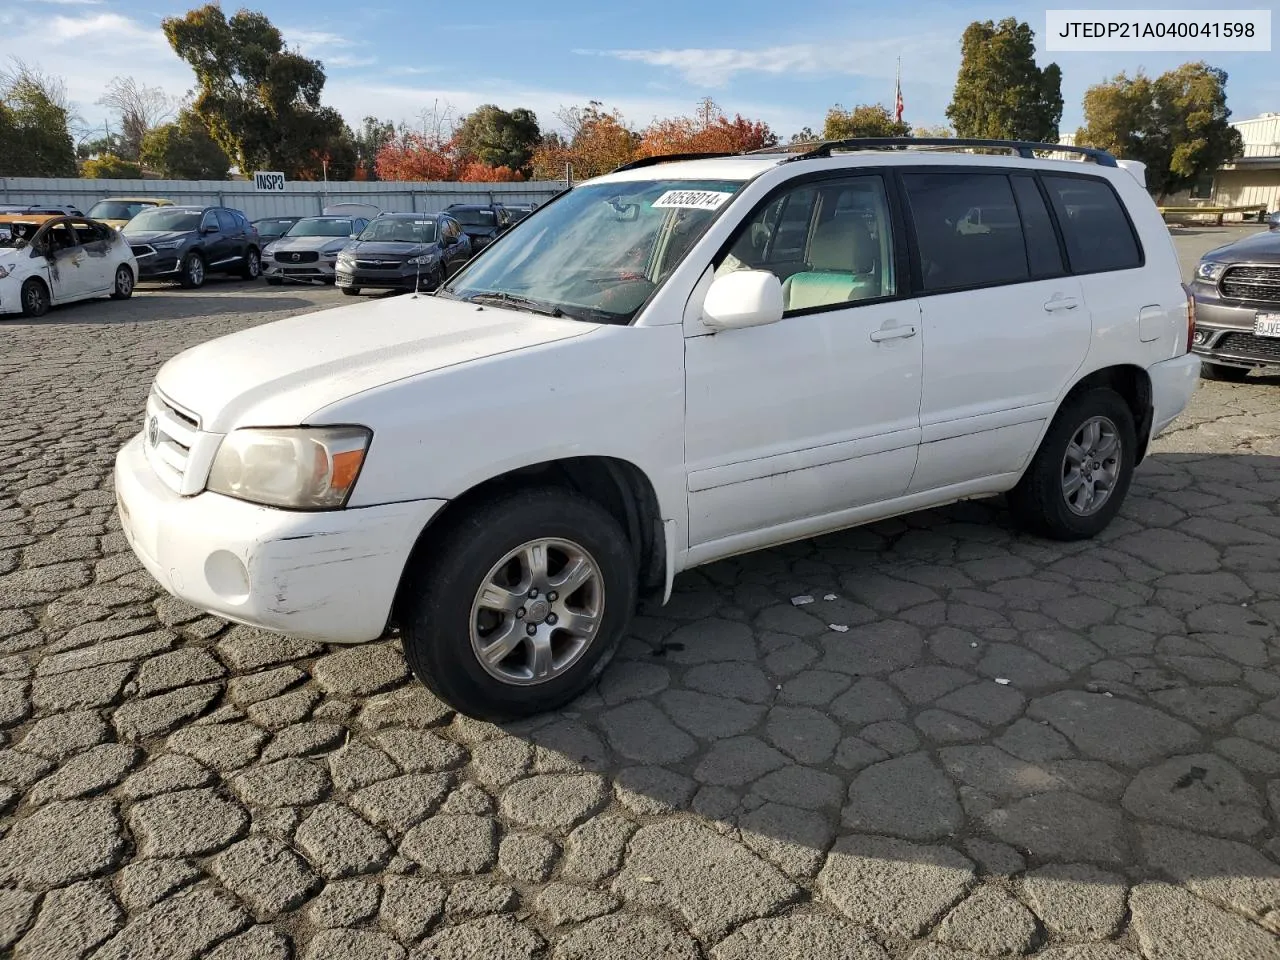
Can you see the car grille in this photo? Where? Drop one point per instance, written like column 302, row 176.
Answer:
column 143, row 250
column 167, row 435
column 301, row 256
column 1252, row 283
column 379, row 264
column 1246, row 346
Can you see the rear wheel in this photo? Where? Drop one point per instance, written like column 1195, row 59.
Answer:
column 519, row 605
column 1079, row 477
column 1221, row 371
column 351, row 291
column 191, row 274
column 252, row 268
column 35, row 298
column 123, row 288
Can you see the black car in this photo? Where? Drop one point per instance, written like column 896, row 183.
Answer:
column 188, row 243
column 273, row 228
column 518, row 213
column 403, row 251
column 483, row 223
column 1237, row 293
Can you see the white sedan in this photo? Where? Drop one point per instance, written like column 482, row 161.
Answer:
column 50, row 260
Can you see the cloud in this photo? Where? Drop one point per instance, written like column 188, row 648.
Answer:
column 344, row 61
column 316, row 39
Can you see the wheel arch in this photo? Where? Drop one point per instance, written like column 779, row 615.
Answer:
column 1133, row 384
column 619, row 486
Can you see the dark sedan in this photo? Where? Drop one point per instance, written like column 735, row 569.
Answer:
column 1237, row 293
column 483, row 223
column 188, row 243
column 403, row 251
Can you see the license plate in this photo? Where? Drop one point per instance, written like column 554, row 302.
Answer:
column 1267, row 325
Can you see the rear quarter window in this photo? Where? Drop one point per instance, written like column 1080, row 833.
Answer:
column 1095, row 228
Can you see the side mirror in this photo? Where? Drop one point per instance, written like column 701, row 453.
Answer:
column 744, row 298
column 450, row 241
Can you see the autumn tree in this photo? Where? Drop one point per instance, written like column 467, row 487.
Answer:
column 1176, row 124
column 477, row 172
column 709, row 130
column 110, row 167
column 34, row 116
column 139, row 109
column 418, row 157
column 937, row 131
column 598, row 141
column 866, row 120
column 259, row 101
column 1000, row 92
column 183, row 150
column 499, row 138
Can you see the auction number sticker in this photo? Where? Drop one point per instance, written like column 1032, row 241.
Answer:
column 268, row 180
column 692, row 199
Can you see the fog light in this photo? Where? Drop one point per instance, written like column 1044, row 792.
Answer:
column 1199, row 338
column 227, row 576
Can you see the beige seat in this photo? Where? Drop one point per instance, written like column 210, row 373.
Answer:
column 842, row 259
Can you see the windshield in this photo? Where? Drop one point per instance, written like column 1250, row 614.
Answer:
column 118, row 209
column 598, row 252
column 274, row 228
column 474, row 218
column 320, row 227
column 166, row 219
column 400, row 230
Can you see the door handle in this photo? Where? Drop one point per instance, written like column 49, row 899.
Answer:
column 893, row 333
column 1061, row 303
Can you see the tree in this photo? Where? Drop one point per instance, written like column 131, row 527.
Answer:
column 866, row 120
column 373, row 135
column 1176, row 124
column 940, row 130
column 110, row 167
column 183, row 150
column 806, row 135
column 709, row 130
column 259, row 101
column 477, row 172
column 499, row 138
column 1000, row 92
column 418, row 157
column 139, row 109
column 598, row 142
column 34, row 115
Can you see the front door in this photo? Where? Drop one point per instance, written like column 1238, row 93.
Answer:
column 818, row 413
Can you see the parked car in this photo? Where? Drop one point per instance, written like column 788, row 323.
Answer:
column 403, row 251
column 188, row 243
column 42, row 210
column 518, row 213
column 1237, row 296
column 309, row 250
column 652, row 380
column 273, row 228
column 52, row 260
column 483, row 223
column 117, row 211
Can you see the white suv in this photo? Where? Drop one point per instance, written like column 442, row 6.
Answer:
column 675, row 363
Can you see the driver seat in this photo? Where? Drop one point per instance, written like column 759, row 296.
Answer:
column 842, row 258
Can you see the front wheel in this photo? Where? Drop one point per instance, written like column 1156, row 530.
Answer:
column 1082, row 471
column 351, row 291
column 1221, row 371
column 35, row 298
column 519, row 605
column 123, row 288
column 252, row 268
column 191, row 274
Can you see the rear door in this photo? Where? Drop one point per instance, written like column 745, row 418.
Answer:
column 98, row 263
column 1005, row 325
column 235, row 243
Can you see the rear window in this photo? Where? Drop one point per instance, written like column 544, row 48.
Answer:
column 967, row 229
column 1097, row 232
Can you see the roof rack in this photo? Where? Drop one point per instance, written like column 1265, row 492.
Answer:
column 670, row 158
column 1026, row 149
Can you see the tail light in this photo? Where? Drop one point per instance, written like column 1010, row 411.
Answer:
column 1191, row 317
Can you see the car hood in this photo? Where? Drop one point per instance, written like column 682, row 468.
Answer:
column 388, row 250
column 156, row 236
column 1263, row 247
column 283, row 372
column 308, row 243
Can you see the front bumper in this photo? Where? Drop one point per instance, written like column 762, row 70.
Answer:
column 319, row 270
column 328, row 576
column 1228, row 325
column 161, row 264
column 400, row 278
column 1172, row 384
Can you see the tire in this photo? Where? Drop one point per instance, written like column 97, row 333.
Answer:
column 123, row 288
column 1221, row 371
column 442, row 614
column 1040, row 502
column 252, row 268
column 192, row 274
column 351, row 291
column 275, row 282
column 35, row 298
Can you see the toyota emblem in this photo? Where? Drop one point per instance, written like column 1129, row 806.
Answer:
column 153, row 431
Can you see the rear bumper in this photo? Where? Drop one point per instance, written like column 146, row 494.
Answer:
column 1172, row 384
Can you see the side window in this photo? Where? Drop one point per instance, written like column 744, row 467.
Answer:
column 1097, row 232
column 88, row 232
column 829, row 242
column 967, row 229
column 210, row 221
column 227, row 222
column 1043, row 254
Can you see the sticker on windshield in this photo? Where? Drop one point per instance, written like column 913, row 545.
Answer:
column 692, row 199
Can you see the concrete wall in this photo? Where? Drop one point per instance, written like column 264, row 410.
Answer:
column 300, row 198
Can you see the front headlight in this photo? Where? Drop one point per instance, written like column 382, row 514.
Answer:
column 305, row 468
column 1210, row 270
column 168, row 245
column 425, row 260
column 346, row 258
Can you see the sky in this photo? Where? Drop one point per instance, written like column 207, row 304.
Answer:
column 782, row 63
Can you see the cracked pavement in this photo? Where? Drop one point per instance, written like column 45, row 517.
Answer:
column 970, row 743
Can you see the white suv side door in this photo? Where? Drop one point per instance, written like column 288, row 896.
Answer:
column 818, row 413
column 1005, row 327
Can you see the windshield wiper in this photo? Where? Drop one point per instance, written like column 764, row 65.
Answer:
column 515, row 300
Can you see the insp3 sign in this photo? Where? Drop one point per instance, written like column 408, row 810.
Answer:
column 266, row 180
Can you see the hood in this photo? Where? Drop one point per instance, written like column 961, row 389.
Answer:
column 283, row 372
column 309, row 243
column 1263, row 247
column 389, row 250
column 156, row 236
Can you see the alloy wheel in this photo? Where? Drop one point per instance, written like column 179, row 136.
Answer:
column 1091, row 466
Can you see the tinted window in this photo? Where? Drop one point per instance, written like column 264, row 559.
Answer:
column 830, row 243
column 164, row 219
column 1094, row 225
column 399, row 230
column 210, row 221
column 1042, row 242
column 227, row 222
column 967, row 229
